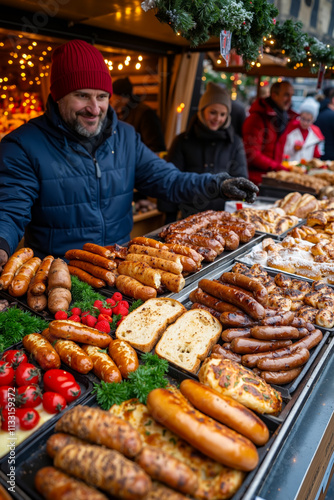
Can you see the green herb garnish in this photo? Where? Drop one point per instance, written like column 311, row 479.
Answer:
column 83, row 295
column 135, row 304
column 148, row 376
column 16, row 323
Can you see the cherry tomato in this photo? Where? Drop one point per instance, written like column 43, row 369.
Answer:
column 28, row 418
column 6, row 392
column 53, row 379
column 70, row 390
column 6, row 373
column 53, row 402
column 27, row 373
column 9, row 419
column 28, row 396
column 15, row 357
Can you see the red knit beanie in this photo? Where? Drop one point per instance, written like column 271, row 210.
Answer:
column 78, row 65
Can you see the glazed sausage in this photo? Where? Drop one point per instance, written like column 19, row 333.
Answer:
column 224, row 353
column 13, row 265
column 124, row 356
column 198, row 295
column 96, row 271
column 20, row 283
column 41, row 276
column 280, row 378
column 133, row 288
column 187, row 252
column 57, row 441
column 103, row 366
column 226, row 410
column 42, row 350
column 148, row 242
column 234, row 333
column 311, row 340
column 156, row 262
column 236, row 297
column 72, row 355
column 140, row 271
column 100, row 427
column 214, row 313
column 167, row 469
column 86, row 277
column 154, row 252
column 52, row 483
column 236, row 319
column 72, row 330
column 36, row 302
column 213, row 439
column 250, row 284
column 274, row 332
column 297, row 358
column 99, row 250
column 92, row 258
column 173, row 282
column 206, row 241
column 249, row 346
column 231, row 238
column 283, row 319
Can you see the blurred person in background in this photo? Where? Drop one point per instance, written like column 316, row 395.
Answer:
column 302, row 139
column 144, row 119
column 209, row 145
column 325, row 122
column 262, row 129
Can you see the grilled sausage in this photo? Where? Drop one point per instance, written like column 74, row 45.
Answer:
column 283, row 319
column 103, row 366
column 58, row 441
column 224, row 353
column 156, row 262
column 72, row 355
column 124, row 356
column 236, row 319
column 234, row 333
column 297, row 358
column 13, row 265
column 142, row 272
column 86, row 277
column 248, row 346
column 100, row 427
column 36, row 302
column 214, row 313
column 42, row 350
column 20, row 283
column 274, row 332
column 92, row 258
column 198, row 295
column 148, row 242
column 173, row 282
column 99, row 250
column 154, row 252
column 280, row 378
column 133, row 288
column 250, row 284
column 41, row 276
column 96, row 271
column 72, row 330
column 187, row 252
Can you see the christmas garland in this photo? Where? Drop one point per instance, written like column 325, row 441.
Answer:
column 249, row 21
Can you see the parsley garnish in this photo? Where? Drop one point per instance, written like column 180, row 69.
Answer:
column 16, row 323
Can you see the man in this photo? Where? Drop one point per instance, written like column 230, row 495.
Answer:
column 262, row 129
column 67, row 177
column 144, row 119
column 325, row 122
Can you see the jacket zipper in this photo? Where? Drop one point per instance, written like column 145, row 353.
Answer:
column 98, row 176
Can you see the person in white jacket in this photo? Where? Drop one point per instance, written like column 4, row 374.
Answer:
column 302, row 140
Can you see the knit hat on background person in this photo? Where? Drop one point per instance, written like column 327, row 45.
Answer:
column 311, row 106
column 78, row 65
column 214, row 94
column 123, row 87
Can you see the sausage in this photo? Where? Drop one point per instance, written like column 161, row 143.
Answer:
column 99, row 250
column 311, row 340
column 236, row 297
column 36, row 302
column 133, row 288
column 117, row 251
column 226, row 410
column 234, row 333
column 42, row 350
column 20, row 283
column 92, row 258
column 283, row 319
column 274, row 332
column 173, row 282
column 103, row 366
column 72, row 355
column 48, row 336
column 105, row 469
column 12, row 266
column 124, row 356
column 59, row 276
column 244, row 230
column 236, row 319
column 141, row 272
column 57, row 441
column 52, row 483
column 198, row 295
column 248, row 346
column 187, row 252
column 170, row 408
column 72, row 330
column 297, row 358
column 86, row 277
column 41, row 276
column 96, row 271
column 100, row 427
column 214, row 313
column 167, row 469
column 280, row 378
column 154, row 252
column 250, row 284
column 206, row 241
column 148, row 242
column 232, row 240
column 302, row 332
column 206, row 253
column 156, row 262
column 222, row 352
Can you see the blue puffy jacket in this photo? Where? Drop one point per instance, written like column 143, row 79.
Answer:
column 59, row 196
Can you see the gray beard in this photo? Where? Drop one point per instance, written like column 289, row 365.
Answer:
column 79, row 129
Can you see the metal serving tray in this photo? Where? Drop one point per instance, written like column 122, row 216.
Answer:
column 86, row 386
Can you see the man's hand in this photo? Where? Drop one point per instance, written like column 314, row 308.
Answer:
column 239, row 188
column 3, row 259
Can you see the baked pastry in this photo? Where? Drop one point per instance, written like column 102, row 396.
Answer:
column 289, row 202
column 306, row 204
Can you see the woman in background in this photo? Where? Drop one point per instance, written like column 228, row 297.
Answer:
column 209, row 145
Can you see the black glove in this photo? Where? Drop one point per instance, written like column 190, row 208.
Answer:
column 239, row 188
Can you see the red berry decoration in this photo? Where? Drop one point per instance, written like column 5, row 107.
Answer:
column 61, row 315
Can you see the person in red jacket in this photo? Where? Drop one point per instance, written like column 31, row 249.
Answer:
column 267, row 120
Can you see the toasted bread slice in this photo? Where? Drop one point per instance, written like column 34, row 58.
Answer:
column 143, row 327
column 189, row 340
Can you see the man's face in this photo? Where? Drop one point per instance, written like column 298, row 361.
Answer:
column 284, row 96
column 84, row 110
